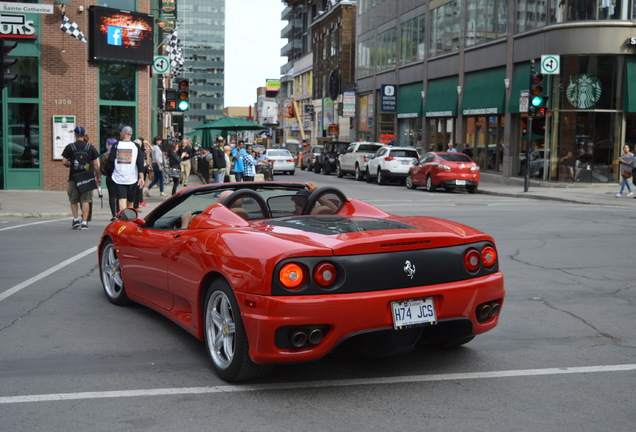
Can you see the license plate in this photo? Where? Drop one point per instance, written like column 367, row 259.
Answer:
column 411, row 313
column 460, row 182
column 406, row 162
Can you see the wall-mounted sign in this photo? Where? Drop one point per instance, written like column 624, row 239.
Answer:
column 16, row 26
column 26, row 8
column 63, row 126
column 388, row 98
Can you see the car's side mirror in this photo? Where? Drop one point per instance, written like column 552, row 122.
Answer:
column 130, row 215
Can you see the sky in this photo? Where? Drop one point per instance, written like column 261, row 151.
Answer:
column 252, row 48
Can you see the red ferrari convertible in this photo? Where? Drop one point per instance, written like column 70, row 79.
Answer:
column 269, row 272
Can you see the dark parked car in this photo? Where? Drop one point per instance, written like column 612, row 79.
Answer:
column 327, row 160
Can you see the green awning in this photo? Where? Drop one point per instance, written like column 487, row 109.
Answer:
column 520, row 81
column 409, row 103
column 441, row 97
column 630, row 84
column 484, row 92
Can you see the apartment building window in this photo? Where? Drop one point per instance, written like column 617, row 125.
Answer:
column 533, row 14
column 444, row 25
column 365, row 58
column 485, row 20
column 412, row 40
column 387, row 49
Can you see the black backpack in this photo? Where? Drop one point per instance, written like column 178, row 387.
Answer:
column 81, row 160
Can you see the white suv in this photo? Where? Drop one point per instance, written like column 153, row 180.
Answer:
column 391, row 163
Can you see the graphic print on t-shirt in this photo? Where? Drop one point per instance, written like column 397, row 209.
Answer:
column 124, row 156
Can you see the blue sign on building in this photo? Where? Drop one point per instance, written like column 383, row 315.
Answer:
column 388, row 98
column 114, row 36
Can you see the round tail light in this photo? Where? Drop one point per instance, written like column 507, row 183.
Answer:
column 325, row 274
column 489, row 256
column 472, row 260
column 291, row 276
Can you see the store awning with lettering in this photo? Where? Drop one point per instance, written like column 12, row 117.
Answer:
column 409, row 103
column 484, row 92
column 441, row 97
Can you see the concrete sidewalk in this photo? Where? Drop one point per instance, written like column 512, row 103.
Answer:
column 51, row 204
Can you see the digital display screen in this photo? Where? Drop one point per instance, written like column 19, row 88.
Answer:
column 120, row 36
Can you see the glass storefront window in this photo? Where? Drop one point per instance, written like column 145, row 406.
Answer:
column 110, row 119
column 23, row 135
column 386, row 49
column 27, row 84
column 410, row 132
column 484, row 142
column 441, row 131
column 117, row 82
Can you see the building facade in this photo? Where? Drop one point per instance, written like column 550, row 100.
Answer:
column 433, row 72
column 202, row 32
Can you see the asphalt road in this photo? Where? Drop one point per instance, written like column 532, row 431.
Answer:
column 561, row 359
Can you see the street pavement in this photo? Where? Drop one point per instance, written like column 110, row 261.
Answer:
column 47, row 204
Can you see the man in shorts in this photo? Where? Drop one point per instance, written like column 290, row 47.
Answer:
column 84, row 199
column 127, row 162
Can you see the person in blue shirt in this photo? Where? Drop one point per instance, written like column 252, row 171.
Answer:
column 237, row 159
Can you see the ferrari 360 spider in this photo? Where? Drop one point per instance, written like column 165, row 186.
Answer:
column 269, row 272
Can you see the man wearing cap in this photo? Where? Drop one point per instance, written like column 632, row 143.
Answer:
column 127, row 163
column 218, row 160
column 70, row 161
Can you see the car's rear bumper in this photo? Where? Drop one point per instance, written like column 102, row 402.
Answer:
column 454, row 183
column 344, row 316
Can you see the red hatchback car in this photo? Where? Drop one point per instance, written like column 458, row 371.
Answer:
column 444, row 169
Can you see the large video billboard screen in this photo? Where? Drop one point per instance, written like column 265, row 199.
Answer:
column 120, row 36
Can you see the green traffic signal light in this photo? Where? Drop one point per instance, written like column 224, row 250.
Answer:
column 537, row 101
column 183, row 105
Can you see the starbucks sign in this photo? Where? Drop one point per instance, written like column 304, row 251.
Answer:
column 583, row 91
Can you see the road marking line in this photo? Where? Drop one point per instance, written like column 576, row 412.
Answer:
column 313, row 384
column 32, row 223
column 45, row 273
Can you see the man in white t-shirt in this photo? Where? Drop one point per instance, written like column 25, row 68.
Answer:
column 127, row 163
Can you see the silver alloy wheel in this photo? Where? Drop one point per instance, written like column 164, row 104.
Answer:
column 111, row 272
column 429, row 184
column 409, row 182
column 220, row 329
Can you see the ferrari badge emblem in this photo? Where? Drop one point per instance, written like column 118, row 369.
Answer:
column 409, row 269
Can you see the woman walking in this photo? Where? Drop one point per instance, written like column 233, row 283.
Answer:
column 174, row 161
column 626, row 163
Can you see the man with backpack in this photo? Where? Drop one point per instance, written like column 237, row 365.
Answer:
column 84, row 176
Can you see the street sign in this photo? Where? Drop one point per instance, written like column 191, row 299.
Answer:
column 551, row 64
column 523, row 101
column 161, row 65
column 26, row 8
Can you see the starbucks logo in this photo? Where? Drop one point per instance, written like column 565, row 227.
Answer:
column 584, row 91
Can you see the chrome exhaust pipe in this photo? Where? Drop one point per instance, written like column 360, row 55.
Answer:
column 315, row 336
column 298, row 339
column 494, row 311
column 483, row 312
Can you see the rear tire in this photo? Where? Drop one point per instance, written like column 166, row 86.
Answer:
column 381, row 177
column 429, row 184
column 358, row 173
column 339, row 172
column 471, row 189
column 224, row 336
column 317, row 168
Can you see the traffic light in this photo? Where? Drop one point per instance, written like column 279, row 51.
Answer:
column 183, row 103
column 171, row 100
column 538, row 100
column 5, row 48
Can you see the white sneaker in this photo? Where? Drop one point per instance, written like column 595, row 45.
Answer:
column 618, row 195
column 630, row 194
